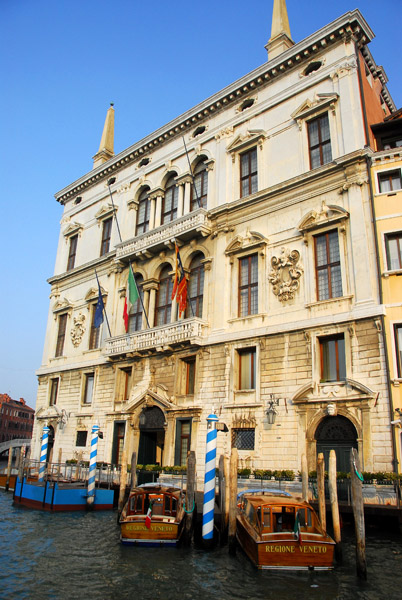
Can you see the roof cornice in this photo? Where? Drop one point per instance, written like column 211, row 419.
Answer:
column 351, row 24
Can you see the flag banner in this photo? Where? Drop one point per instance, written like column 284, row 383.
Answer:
column 180, row 284
column 132, row 295
column 149, row 516
column 296, row 529
column 100, row 307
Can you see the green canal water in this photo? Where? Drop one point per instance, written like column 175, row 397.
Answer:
column 70, row 556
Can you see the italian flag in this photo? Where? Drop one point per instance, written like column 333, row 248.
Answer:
column 148, row 517
column 132, row 296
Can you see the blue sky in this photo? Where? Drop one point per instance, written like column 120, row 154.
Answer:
column 64, row 61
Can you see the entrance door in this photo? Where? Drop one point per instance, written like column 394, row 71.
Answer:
column 339, row 434
column 152, row 436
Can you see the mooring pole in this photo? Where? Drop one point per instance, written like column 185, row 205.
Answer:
column 190, row 495
column 304, row 472
column 233, row 467
column 133, row 470
column 321, row 491
column 333, row 497
column 9, row 466
column 358, row 513
column 209, row 481
column 43, row 454
column 92, row 465
column 123, row 480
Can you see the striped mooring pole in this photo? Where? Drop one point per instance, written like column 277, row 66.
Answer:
column 209, row 482
column 92, row 465
column 43, row 453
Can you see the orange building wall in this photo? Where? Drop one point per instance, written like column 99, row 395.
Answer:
column 371, row 97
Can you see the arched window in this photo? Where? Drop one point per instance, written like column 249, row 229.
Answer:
column 164, row 297
column 135, row 316
column 143, row 212
column 170, row 200
column 195, row 287
column 199, row 189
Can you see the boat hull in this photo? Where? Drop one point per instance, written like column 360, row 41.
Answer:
column 287, row 554
column 159, row 534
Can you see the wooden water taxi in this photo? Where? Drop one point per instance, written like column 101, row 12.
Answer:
column 153, row 515
column 277, row 531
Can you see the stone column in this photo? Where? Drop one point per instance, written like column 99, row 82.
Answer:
column 180, row 203
column 187, row 191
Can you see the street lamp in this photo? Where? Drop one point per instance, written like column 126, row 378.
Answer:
column 271, row 410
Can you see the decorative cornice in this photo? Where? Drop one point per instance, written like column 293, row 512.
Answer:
column 351, row 23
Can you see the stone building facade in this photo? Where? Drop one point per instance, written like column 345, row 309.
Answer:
column 16, row 419
column 282, row 335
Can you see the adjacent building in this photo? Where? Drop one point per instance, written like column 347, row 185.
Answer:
column 16, row 419
column 283, row 333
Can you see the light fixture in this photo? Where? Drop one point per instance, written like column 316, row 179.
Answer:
column 142, row 418
column 271, row 410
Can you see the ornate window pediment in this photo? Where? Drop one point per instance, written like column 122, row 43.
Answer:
column 105, row 212
column 251, row 241
column 328, row 215
column 93, row 293
column 310, row 108
column 62, row 306
column 350, row 390
column 285, row 274
column 73, row 229
column 253, row 137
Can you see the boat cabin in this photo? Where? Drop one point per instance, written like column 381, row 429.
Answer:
column 162, row 504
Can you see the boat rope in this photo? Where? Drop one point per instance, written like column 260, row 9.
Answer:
column 188, row 511
column 359, row 475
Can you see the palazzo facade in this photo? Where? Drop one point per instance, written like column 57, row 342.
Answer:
column 282, row 336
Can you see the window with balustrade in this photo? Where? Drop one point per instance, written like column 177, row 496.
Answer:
column 195, row 287
column 163, row 308
column 170, row 200
column 199, row 187
column 143, row 212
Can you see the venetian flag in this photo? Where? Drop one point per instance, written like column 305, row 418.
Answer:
column 132, row 295
column 149, row 516
column 180, row 284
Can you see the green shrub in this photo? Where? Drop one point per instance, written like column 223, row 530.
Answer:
column 244, row 472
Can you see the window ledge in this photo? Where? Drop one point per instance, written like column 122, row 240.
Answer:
column 248, row 318
column 244, row 405
column 329, row 301
column 397, row 272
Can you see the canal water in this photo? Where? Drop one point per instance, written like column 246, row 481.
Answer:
column 70, row 556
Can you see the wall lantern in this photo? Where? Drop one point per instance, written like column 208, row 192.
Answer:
column 142, row 418
column 271, row 410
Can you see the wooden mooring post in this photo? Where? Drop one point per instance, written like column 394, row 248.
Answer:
column 190, row 497
column 233, row 467
column 223, row 496
column 321, row 491
column 333, row 497
column 9, row 466
column 133, row 471
column 358, row 513
column 123, row 480
column 304, row 473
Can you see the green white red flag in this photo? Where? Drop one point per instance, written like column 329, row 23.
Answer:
column 132, row 295
column 149, row 516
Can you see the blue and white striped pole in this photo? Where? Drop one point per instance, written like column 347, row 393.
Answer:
column 43, row 453
column 92, row 465
column 209, row 481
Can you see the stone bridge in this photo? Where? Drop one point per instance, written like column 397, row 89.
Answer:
column 18, row 443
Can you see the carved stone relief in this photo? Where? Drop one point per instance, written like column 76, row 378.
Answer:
column 78, row 329
column 285, row 274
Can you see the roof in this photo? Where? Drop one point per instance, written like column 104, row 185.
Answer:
column 266, row 499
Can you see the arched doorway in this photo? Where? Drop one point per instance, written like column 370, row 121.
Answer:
column 50, row 443
column 152, row 436
column 339, row 434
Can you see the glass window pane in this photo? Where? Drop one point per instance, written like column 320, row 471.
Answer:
column 336, row 282
column 315, row 158
column 333, row 246
column 324, row 126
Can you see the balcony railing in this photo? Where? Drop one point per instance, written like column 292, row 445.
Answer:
column 158, row 239
column 158, row 338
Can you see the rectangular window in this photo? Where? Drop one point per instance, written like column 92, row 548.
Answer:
column 183, row 438
column 190, row 374
column 398, row 349
column 89, row 388
column 248, row 286
column 333, row 363
column 126, row 380
column 328, row 265
column 72, row 252
column 81, row 438
column 243, row 439
column 390, row 181
column 54, row 388
column 248, row 173
column 61, row 335
column 319, row 141
column 394, row 250
column 246, row 368
column 106, row 234
column 94, row 335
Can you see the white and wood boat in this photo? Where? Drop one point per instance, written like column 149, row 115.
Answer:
column 153, row 515
column 277, row 531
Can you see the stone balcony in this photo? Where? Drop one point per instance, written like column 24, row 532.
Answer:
column 159, row 339
column 150, row 243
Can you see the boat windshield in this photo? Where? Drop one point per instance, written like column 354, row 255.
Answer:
column 162, row 504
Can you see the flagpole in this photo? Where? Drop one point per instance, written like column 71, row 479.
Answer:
column 104, row 309
column 109, row 183
column 191, row 173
